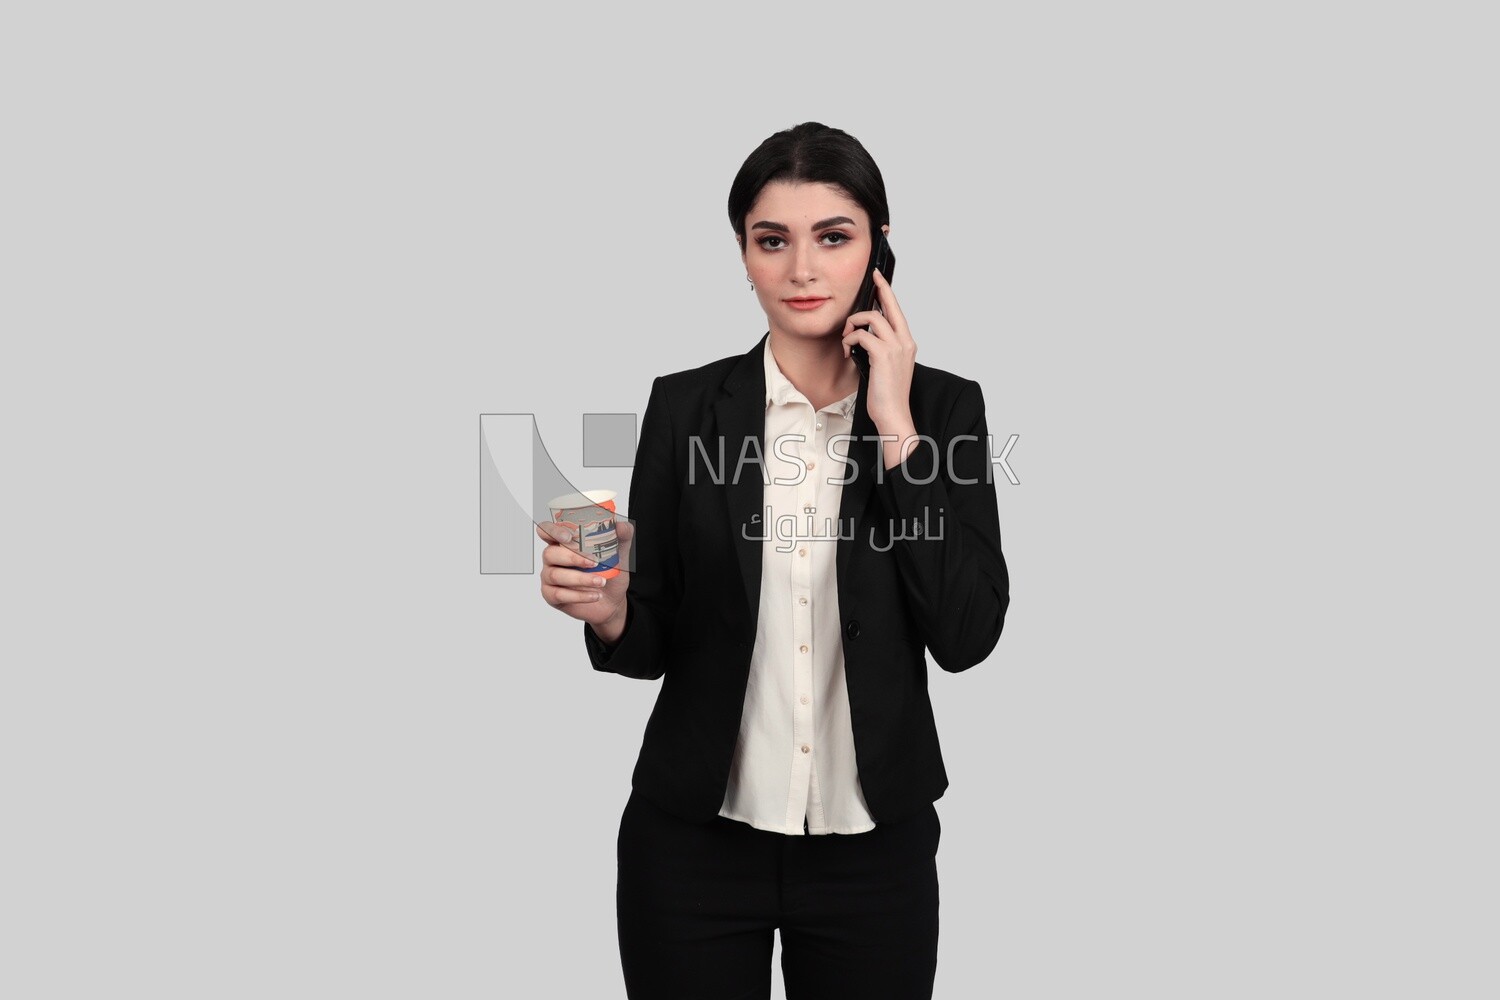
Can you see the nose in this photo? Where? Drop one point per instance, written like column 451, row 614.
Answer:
column 802, row 265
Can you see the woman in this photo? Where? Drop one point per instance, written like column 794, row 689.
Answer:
column 790, row 765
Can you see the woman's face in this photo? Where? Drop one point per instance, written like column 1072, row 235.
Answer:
column 807, row 246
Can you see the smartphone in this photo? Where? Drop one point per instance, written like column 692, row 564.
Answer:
column 883, row 259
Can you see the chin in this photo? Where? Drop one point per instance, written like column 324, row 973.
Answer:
column 809, row 327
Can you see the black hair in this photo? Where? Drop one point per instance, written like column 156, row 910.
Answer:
column 809, row 152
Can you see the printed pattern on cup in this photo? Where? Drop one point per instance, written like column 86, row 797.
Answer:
column 590, row 516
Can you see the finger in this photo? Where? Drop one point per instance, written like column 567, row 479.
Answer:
column 865, row 339
column 878, row 324
column 561, row 576
column 558, row 596
column 563, row 555
column 551, row 531
column 889, row 305
column 867, row 318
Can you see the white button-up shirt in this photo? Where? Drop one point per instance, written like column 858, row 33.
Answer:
column 794, row 762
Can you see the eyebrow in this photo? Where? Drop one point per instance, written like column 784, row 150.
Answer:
column 837, row 220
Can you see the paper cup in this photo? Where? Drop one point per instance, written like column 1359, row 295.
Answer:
column 590, row 515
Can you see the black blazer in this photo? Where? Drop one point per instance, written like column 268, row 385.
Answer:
column 695, row 591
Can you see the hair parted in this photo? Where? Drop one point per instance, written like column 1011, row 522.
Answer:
column 809, row 152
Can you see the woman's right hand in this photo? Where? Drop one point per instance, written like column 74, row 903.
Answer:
column 585, row 596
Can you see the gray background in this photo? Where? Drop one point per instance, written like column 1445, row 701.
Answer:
column 265, row 730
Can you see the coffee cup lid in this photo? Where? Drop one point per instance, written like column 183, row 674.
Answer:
column 588, row 498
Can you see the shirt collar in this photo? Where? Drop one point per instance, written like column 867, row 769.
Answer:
column 779, row 389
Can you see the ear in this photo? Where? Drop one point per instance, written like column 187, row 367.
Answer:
column 886, row 229
column 739, row 241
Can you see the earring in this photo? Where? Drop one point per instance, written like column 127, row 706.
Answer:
column 751, row 280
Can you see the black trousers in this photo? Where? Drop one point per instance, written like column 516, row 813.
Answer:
column 697, row 905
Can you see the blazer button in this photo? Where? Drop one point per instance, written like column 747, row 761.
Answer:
column 852, row 629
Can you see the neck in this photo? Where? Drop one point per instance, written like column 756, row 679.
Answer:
column 817, row 367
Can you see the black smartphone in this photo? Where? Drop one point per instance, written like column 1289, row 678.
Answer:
column 883, row 259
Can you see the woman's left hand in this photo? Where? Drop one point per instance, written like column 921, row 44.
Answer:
column 893, row 355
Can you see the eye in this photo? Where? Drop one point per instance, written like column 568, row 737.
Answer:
column 765, row 241
column 842, row 238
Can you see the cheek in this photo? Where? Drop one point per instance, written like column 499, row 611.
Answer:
column 765, row 287
column 852, row 271
column 761, row 269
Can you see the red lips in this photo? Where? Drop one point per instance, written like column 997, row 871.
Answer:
column 805, row 303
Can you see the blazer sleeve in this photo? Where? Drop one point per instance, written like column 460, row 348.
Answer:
column 655, row 591
column 957, row 584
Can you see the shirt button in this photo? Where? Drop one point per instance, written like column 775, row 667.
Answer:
column 802, row 648
column 801, row 600
column 802, row 552
column 804, row 699
column 851, row 630
column 806, row 748
column 812, row 465
column 819, row 426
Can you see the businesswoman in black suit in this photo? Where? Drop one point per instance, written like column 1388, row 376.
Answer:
column 789, row 767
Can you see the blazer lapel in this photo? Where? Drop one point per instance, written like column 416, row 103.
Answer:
column 740, row 413
column 864, row 453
